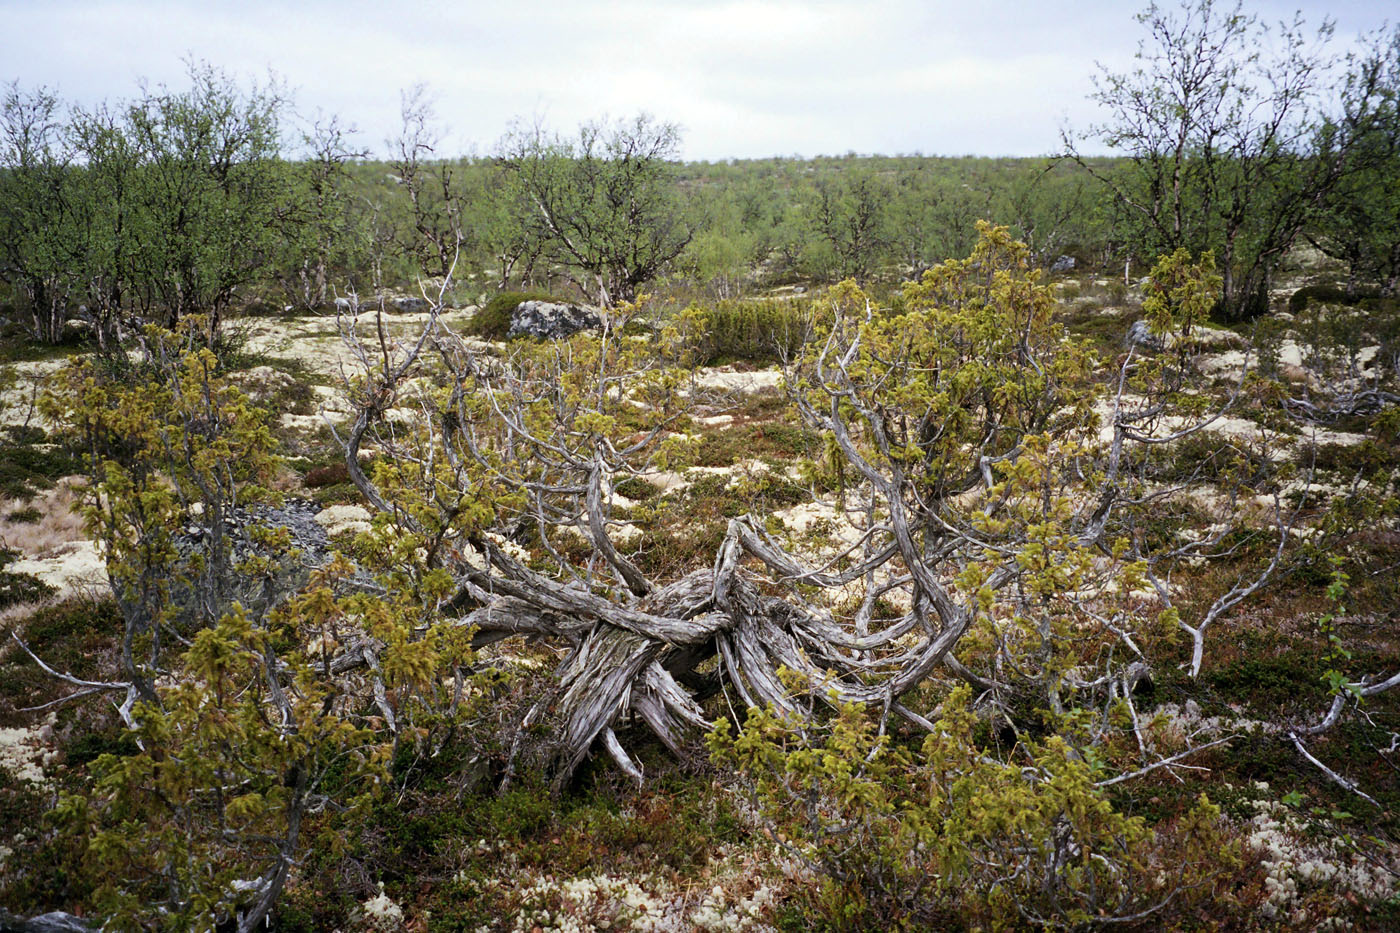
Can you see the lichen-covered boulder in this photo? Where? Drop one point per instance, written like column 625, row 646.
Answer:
column 551, row 320
column 1140, row 335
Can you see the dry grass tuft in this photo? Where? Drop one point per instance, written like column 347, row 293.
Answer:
column 59, row 523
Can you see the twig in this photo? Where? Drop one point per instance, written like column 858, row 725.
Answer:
column 1336, row 778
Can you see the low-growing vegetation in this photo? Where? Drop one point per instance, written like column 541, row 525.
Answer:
column 835, row 584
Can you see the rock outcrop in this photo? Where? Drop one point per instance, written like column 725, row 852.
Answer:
column 1140, row 335
column 551, row 320
column 210, row 598
column 54, row 922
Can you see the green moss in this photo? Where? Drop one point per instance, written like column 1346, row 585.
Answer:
column 17, row 589
column 19, row 347
column 1210, row 457
column 772, row 440
column 72, row 636
column 1329, row 293
column 1283, row 680
column 1368, row 458
column 338, row 494
column 89, row 747
column 636, row 489
column 28, row 464
column 48, row 874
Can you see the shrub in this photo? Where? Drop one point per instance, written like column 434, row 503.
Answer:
column 761, row 331
column 28, row 464
column 1327, row 293
column 332, row 475
column 918, row 836
column 19, row 588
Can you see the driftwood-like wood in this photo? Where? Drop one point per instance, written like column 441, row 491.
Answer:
column 635, row 645
column 641, row 650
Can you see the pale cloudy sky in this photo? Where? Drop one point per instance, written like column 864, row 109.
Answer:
column 743, row 79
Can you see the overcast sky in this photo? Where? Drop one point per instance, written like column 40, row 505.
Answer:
column 743, row 79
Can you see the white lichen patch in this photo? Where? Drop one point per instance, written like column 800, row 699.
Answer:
column 1186, row 722
column 340, row 519
column 1240, row 430
column 727, row 378
column 382, row 912
column 302, row 423
column 1322, row 436
column 21, row 384
column 820, row 518
column 646, row 904
column 262, row 383
column 672, row 481
column 621, row 534
column 331, row 400
column 1294, row 861
column 76, row 568
column 25, row 752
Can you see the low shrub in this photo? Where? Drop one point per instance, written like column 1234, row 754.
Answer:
column 1329, row 293
column 29, row 464
column 331, row 475
column 915, row 837
column 761, row 331
column 17, row 589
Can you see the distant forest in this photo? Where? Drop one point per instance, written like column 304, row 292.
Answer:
column 216, row 197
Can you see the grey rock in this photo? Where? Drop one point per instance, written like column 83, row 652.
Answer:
column 197, row 597
column 1062, row 264
column 54, row 922
column 1140, row 335
column 411, row 305
column 550, row 319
